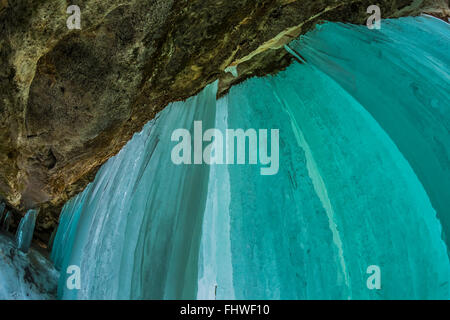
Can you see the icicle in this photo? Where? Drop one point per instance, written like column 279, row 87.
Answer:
column 24, row 234
column 7, row 221
column 294, row 54
column 233, row 70
column 400, row 75
column 2, row 213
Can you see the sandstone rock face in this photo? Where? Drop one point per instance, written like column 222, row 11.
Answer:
column 70, row 99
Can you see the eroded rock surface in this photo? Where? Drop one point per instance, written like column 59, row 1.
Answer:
column 70, row 99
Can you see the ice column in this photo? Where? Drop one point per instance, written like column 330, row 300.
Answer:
column 25, row 231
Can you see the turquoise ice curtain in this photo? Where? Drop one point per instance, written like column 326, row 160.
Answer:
column 362, row 188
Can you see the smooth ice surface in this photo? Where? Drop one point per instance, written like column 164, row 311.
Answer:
column 364, row 133
column 24, row 233
column 401, row 75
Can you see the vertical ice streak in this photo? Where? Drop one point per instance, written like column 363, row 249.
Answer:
column 215, row 270
column 2, row 214
column 321, row 190
column 2, row 209
column 282, row 246
column 401, row 75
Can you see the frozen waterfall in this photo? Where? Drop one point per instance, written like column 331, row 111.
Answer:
column 363, row 181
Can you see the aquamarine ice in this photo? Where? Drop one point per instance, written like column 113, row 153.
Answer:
column 363, row 181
